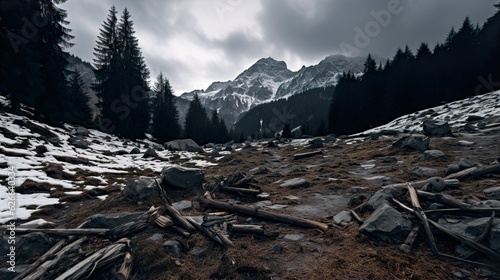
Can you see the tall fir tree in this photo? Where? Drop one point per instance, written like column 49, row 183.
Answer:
column 77, row 110
column 165, row 126
column 121, row 78
column 197, row 122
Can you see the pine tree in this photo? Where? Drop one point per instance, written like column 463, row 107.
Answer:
column 370, row 65
column 53, row 38
column 197, row 122
column 77, row 110
column 165, row 125
column 286, row 132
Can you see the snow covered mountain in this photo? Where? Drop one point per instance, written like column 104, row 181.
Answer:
column 268, row 80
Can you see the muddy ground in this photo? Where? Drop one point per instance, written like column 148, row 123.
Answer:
column 339, row 180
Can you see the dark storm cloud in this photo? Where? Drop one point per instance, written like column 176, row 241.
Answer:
column 321, row 29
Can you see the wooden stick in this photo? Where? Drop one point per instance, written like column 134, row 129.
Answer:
column 449, row 183
column 443, row 198
column 125, row 268
column 163, row 221
column 307, row 155
column 476, row 212
column 251, row 229
column 174, row 213
column 250, row 211
column 411, row 239
column 42, row 259
column 421, row 215
column 474, row 172
column 356, row 216
column 241, row 190
column 481, row 238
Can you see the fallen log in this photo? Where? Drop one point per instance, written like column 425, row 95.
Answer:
column 474, row 172
column 417, row 210
column 174, row 213
column 449, row 183
column 253, row 212
column 443, row 198
column 96, row 262
column 307, row 155
column 66, row 232
column 251, row 229
column 411, row 239
column 240, row 190
column 217, row 235
column 163, row 221
column 125, row 268
column 49, row 260
column 474, row 212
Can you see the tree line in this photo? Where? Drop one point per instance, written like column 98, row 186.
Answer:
column 35, row 73
column 464, row 65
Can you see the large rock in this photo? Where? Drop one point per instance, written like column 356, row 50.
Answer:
column 413, row 143
column 187, row 145
column 182, row 177
column 150, row 153
column 387, row 224
column 381, row 197
column 424, row 171
column 316, row 143
column 436, row 128
column 474, row 227
column 433, row 155
column 140, row 189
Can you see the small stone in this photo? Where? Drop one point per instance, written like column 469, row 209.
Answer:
column 277, row 249
column 433, row 155
column 294, row 237
column 452, row 168
column 437, row 183
column 465, row 143
column 390, row 160
column 492, row 192
column 343, row 218
column 135, row 151
column 295, row 183
column 464, row 163
column 183, row 205
column 156, row 237
column 424, row 171
column 197, row 252
column 316, row 143
column 174, row 248
column 150, row 153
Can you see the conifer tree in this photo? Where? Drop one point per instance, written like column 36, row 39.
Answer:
column 197, row 122
column 77, row 110
column 165, row 125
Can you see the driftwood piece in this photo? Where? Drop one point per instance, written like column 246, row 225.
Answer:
column 443, row 198
column 42, row 259
column 253, row 212
column 474, row 212
column 449, row 183
column 97, row 261
column 474, row 172
column 251, row 229
column 216, row 232
column 240, row 190
column 163, row 221
column 66, row 232
column 356, row 216
column 411, row 239
column 307, row 155
column 39, row 271
column 126, row 267
column 174, row 213
column 417, row 210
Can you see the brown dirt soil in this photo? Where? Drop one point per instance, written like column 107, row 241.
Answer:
column 338, row 253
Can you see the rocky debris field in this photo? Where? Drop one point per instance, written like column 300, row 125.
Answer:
column 323, row 208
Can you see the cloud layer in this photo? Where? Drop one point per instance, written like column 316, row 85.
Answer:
column 196, row 42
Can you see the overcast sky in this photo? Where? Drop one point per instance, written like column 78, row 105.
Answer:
column 196, row 42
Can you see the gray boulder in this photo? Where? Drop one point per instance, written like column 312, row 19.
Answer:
column 140, row 189
column 424, row 171
column 150, row 153
column 316, row 143
column 433, row 155
column 437, row 184
column 387, row 224
column 452, row 168
column 413, row 143
column 343, row 218
column 187, row 145
column 78, row 142
column 135, row 151
column 182, row 177
column 492, row 192
column 436, row 128
column 381, row 197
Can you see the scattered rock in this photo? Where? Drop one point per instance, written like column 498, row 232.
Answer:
column 197, row 252
column 381, row 197
column 140, row 189
column 473, row 118
column 436, row 128
column 330, row 138
column 465, row 143
column 214, row 153
column 81, row 131
column 295, row 183
column 187, row 145
column 437, row 184
column 389, row 160
column 433, row 155
column 182, row 177
column 343, row 218
column 156, row 237
column 316, row 143
column 413, row 143
column 78, row 142
column 387, row 224
column 234, row 161
column 41, row 149
column 174, row 248
column 271, row 144
column 135, row 151
column 424, row 171
column 183, row 205
column 150, row 153
column 277, row 249
column 492, row 192
column 294, row 237
column 464, row 163
column 452, row 168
